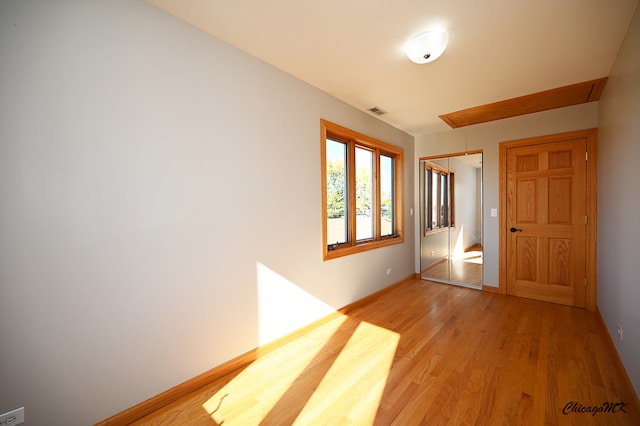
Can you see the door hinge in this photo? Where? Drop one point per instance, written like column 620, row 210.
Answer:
column 586, row 156
column 586, row 219
column 585, row 282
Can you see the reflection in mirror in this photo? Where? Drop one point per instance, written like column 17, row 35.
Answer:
column 451, row 219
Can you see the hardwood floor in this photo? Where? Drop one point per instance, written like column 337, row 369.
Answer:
column 427, row 353
column 465, row 270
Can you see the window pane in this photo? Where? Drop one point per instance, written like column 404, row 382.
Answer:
column 443, row 200
column 364, row 194
column 387, row 213
column 426, row 201
column 434, row 199
column 361, row 196
column 452, row 199
column 336, row 192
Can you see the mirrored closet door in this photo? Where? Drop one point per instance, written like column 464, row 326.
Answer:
column 451, row 219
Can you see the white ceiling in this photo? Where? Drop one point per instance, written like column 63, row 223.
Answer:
column 353, row 49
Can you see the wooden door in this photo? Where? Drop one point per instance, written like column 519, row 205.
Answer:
column 546, row 215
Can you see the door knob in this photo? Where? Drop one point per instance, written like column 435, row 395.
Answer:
column 515, row 230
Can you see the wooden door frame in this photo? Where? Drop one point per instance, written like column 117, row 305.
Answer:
column 591, row 136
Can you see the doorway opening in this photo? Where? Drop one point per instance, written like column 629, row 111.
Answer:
column 451, row 219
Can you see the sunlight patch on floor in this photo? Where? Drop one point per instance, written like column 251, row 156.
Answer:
column 349, row 389
column 352, row 389
column 249, row 397
column 473, row 256
column 335, row 371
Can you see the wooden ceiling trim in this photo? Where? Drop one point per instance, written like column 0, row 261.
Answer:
column 574, row 94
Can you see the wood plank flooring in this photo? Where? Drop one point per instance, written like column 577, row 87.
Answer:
column 455, row 271
column 464, row 270
column 427, row 353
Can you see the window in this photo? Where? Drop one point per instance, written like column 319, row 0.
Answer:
column 362, row 192
column 438, row 198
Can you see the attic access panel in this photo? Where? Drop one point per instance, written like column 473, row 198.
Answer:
column 588, row 91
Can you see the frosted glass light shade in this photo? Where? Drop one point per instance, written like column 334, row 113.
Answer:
column 427, row 47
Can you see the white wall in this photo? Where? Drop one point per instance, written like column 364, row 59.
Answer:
column 487, row 137
column 619, row 201
column 152, row 178
column 466, row 207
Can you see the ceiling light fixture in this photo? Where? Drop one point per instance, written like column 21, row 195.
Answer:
column 427, row 47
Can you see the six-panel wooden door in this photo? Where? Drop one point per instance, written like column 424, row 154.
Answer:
column 546, row 214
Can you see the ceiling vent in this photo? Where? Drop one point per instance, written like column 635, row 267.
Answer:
column 377, row 111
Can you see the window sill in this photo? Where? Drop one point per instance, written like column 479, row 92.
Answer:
column 361, row 247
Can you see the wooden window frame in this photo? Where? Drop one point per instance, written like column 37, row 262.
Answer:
column 353, row 139
column 449, row 206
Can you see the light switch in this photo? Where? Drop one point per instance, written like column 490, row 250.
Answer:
column 494, row 212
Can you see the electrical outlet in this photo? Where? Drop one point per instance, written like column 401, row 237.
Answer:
column 12, row 418
column 619, row 332
column 388, row 271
